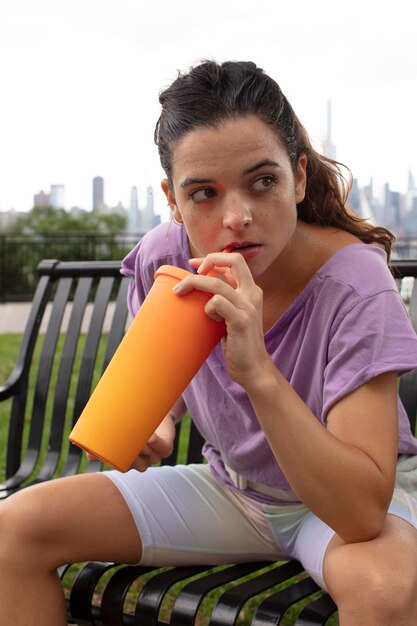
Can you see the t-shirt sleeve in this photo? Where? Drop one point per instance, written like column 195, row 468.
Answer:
column 166, row 244
column 131, row 267
column 373, row 337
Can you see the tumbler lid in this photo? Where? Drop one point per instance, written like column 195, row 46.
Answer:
column 172, row 270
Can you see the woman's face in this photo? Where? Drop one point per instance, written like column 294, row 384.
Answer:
column 233, row 186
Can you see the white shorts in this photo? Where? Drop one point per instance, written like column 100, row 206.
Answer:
column 185, row 517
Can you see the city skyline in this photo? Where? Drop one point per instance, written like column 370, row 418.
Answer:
column 57, row 191
column 390, row 208
column 57, row 194
column 140, row 216
column 367, row 202
column 56, row 197
column 82, row 79
column 364, row 198
column 121, row 198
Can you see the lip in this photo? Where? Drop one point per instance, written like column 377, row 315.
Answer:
column 247, row 249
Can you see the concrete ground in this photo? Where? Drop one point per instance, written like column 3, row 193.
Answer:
column 13, row 316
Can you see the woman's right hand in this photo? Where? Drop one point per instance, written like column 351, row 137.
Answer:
column 161, row 444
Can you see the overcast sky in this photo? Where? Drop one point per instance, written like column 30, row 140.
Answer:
column 80, row 81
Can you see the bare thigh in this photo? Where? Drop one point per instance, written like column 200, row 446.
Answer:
column 72, row 519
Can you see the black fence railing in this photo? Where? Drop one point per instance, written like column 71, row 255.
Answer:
column 20, row 255
column 405, row 248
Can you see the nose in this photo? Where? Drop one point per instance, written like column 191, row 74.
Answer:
column 237, row 215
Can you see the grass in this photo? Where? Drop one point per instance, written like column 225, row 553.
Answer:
column 9, row 347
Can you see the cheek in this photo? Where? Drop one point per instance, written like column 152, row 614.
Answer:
column 201, row 236
column 283, row 226
column 282, row 216
column 201, row 226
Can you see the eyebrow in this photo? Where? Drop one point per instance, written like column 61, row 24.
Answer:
column 250, row 170
column 192, row 181
column 257, row 166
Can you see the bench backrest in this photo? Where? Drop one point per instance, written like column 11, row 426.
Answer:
column 404, row 271
column 77, row 319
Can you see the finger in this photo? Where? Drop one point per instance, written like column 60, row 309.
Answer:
column 140, row 464
column 230, row 264
column 223, row 273
column 149, row 455
column 217, row 288
column 196, row 261
column 158, row 448
column 205, row 283
column 219, row 308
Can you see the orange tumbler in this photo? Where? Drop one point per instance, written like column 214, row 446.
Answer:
column 166, row 344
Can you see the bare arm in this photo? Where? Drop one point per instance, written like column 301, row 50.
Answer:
column 343, row 473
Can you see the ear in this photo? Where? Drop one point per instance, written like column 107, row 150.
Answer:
column 301, row 178
column 171, row 200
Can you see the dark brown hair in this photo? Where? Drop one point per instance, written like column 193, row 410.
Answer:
column 211, row 93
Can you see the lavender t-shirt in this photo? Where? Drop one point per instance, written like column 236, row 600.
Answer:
column 347, row 326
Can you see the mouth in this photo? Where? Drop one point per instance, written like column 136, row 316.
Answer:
column 240, row 247
column 246, row 248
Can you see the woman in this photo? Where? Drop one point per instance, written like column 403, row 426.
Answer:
column 298, row 404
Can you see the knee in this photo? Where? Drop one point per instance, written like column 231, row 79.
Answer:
column 378, row 588
column 20, row 526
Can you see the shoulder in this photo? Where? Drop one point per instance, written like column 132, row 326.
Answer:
column 165, row 244
column 360, row 267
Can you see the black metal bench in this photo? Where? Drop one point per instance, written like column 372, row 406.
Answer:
column 78, row 317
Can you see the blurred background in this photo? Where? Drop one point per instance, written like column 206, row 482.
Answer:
column 79, row 172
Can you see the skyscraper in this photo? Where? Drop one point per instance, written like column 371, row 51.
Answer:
column 411, row 195
column 411, row 186
column 98, row 193
column 133, row 220
column 150, row 219
column 41, row 199
column 57, row 196
column 329, row 147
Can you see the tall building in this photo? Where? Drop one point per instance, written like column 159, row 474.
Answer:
column 98, row 193
column 411, row 186
column 41, row 199
column 354, row 197
column 149, row 218
column 57, row 196
column 391, row 208
column 133, row 218
column 411, row 195
column 329, row 147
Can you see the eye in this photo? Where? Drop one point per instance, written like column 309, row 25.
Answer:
column 264, row 182
column 201, row 195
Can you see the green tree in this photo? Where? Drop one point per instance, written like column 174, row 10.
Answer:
column 47, row 219
column 49, row 233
